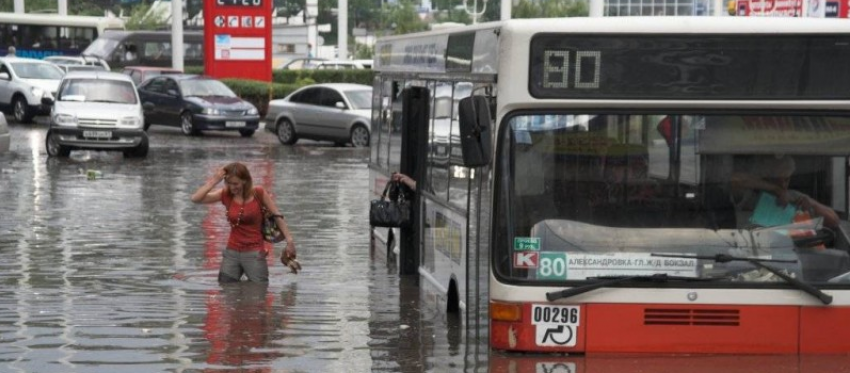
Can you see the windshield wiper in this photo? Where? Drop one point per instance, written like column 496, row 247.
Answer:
column 724, row 258
column 613, row 280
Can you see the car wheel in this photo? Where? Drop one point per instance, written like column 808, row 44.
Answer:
column 54, row 149
column 246, row 133
column 140, row 151
column 286, row 132
column 21, row 110
column 359, row 136
column 187, row 125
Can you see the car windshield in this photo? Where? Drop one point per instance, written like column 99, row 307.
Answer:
column 101, row 47
column 360, row 99
column 205, row 87
column 98, row 90
column 32, row 70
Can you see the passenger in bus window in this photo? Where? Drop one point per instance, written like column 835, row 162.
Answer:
column 765, row 188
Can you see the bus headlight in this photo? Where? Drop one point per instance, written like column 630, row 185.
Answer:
column 65, row 120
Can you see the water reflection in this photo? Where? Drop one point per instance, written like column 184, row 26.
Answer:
column 243, row 320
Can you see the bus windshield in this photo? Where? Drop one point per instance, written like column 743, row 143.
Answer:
column 589, row 195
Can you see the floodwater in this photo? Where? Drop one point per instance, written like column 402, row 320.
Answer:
column 118, row 274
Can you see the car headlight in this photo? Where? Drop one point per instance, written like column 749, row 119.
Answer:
column 130, row 122
column 253, row 111
column 37, row 92
column 65, row 120
column 211, row 111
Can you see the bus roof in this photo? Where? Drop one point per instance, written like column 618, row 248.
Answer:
column 61, row 20
column 474, row 49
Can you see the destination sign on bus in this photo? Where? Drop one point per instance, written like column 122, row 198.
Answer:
column 714, row 66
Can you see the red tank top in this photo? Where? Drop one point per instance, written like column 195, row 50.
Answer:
column 245, row 232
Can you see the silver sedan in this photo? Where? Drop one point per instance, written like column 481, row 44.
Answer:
column 338, row 112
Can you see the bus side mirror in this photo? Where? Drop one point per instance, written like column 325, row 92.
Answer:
column 474, row 116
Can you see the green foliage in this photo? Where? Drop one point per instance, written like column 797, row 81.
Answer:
column 550, row 9
column 402, row 18
column 141, row 20
column 259, row 93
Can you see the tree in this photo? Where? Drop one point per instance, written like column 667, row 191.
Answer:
column 141, row 19
column 402, row 18
column 550, row 9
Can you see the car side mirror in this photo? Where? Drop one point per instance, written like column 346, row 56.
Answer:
column 47, row 101
column 147, row 106
column 474, row 117
column 340, row 105
column 5, row 76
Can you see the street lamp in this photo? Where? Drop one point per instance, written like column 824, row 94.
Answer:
column 475, row 13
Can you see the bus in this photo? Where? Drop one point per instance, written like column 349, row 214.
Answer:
column 145, row 48
column 41, row 35
column 668, row 185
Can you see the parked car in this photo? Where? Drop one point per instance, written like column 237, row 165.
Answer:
column 196, row 103
column 142, row 73
column 5, row 137
column 78, row 60
column 96, row 110
column 341, row 64
column 23, row 83
column 302, row 63
column 339, row 112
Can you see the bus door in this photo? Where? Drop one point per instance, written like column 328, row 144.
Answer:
column 414, row 131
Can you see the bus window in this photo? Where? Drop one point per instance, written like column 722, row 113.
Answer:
column 458, row 175
column 387, row 114
column 395, row 127
column 377, row 118
column 439, row 141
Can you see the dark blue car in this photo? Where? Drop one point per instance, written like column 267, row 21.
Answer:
column 196, row 103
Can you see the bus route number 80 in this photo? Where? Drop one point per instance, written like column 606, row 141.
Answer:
column 556, row 69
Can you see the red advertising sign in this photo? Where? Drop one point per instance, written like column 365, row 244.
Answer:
column 770, row 8
column 237, row 39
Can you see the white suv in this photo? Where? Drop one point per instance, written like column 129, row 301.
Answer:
column 24, row 82
column 96, row 110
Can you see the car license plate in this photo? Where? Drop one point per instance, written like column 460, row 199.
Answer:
column 230, row 124
column 97, row 134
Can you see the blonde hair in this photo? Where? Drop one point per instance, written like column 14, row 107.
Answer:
column 240, row 171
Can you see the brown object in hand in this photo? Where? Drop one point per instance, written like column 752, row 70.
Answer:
column 293, row 264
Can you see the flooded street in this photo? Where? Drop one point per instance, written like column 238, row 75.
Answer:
column 119, row 273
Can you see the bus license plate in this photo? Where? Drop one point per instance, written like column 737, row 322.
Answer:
column 97, row 134
column 556, row 326
column 230, row 124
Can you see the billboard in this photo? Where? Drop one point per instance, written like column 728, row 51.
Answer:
column 237, row 39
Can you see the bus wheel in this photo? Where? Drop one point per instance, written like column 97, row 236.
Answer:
column 286, row 132
column 21, row 110
column 359, row 136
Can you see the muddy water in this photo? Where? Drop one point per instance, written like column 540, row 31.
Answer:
column 119, row 273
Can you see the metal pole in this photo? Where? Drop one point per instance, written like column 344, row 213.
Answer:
column 597, row 8
column 19, row 6
column 63, row 7
column 342, row 42
column 177, row 34
column 507, row 7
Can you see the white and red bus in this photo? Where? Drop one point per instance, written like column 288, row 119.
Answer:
column 579, row 181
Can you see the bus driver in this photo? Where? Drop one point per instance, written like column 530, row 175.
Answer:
column 772, row 175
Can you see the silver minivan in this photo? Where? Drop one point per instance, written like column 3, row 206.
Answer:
column 96, row 110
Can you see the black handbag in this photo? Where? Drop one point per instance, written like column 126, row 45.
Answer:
column 390, row 213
